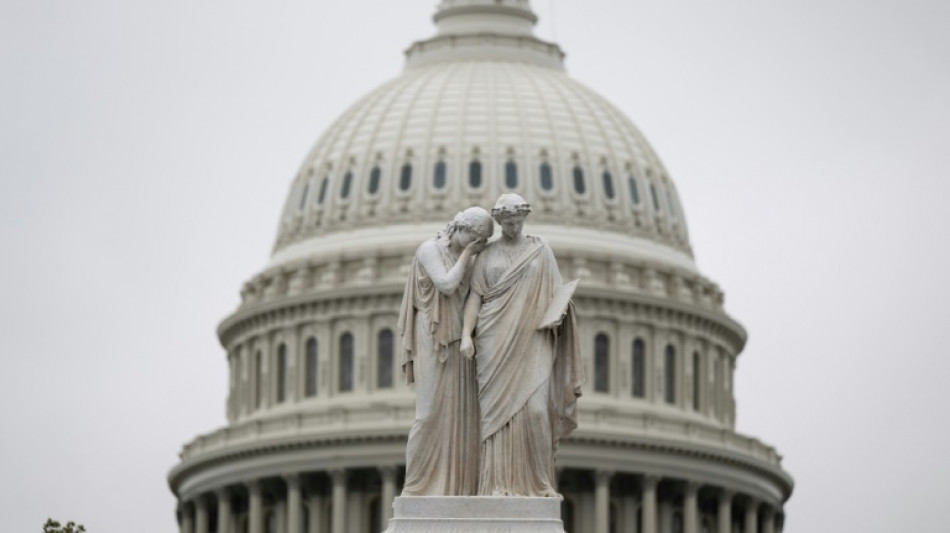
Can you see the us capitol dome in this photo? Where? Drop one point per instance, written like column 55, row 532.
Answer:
column 317, row 409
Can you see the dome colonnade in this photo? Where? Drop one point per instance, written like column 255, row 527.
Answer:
column 317, row 409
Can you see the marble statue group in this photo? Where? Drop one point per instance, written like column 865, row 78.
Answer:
column 489, row 339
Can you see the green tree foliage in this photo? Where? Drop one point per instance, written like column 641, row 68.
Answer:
column 52, row 526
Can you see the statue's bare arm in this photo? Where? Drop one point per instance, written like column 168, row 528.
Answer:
column 469, row 320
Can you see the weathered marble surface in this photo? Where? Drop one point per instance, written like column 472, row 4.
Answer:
column 475, row 514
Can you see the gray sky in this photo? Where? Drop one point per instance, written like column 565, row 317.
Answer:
column 147, row 148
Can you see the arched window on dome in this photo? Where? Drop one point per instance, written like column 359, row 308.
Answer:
column 547, row 179
column 608, row 185
column 438, row 175
column 697, row 381
column 323, row 190
column 405, row 177
column 638, row 368
column 347, row 183
column 669, row 374
column 281, row 372
column 632, row 189
column 303, row 196
column 346, row 362
column 511, row 174
column 601, row 362
column 310, row 381
column 656, row 200
column 384, row 368
column 475, row 174
column 374, row 175
column 580, row 187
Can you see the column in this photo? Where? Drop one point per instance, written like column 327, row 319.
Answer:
column 255, row 506
column 665, row 507
column 629, row 512
column 725, row 511
column 201, row 516
column 602, row 501
column 293, row 503
column 388, row 474
column 768, row 519
column 224, row 511
column 186, row 523
column 280, row 516
column 338, row 480
column 648, row 499
column 751, row 516
column 316, row 515
column 691, row 508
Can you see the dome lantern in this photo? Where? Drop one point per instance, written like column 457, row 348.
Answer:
column 462, row 17
column 484, row 30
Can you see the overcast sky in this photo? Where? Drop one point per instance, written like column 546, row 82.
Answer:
column 147, row 148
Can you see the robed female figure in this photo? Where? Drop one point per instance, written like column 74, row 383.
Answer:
column 528, row 368
column 442, row 450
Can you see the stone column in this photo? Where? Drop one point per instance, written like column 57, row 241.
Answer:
column 768, row 519
column 279, row 517
column 201, row 515
column 690, row 508
column 187, row 521
column 293, row 503
column 602, row 501
column 648, row 499
column 255, row 504
column 630, row 513
column 316, row 516
column 338, row 479
column 725, row 511
column 224, row 511
column 751, row 516
column 388, row 473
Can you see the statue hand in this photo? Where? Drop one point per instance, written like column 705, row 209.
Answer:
column 475, row 247
column 468, row 348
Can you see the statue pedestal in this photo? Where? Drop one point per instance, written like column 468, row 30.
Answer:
column 475, row 514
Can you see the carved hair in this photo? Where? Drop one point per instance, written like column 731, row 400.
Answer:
column 473, row 218
column 508, row 205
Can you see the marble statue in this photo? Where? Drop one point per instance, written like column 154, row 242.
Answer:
column 442, row 451
column 528, row 366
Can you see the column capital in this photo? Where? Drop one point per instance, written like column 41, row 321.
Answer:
column 337, row 475
column 650, row 481
column 603, row 475
column 222, row 493
column 387, row 471
column 752, row 501
column 726, row 494
column 692, row 487
column 292, row 479
column 253, row 486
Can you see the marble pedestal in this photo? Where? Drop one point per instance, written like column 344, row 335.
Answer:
column 475, row 514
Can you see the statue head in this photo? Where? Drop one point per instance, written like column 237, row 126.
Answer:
column 510, row 204
column 475, row 219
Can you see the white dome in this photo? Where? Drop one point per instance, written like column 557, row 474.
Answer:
column 473, row 116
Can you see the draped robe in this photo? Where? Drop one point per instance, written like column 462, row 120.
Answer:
column 528, row 379
column 442, row 450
